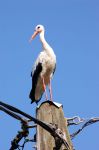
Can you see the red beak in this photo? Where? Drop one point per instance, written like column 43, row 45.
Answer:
column 33, row 36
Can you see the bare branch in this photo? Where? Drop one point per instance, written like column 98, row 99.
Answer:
column 48, row 127
column 11, row 114
column 21, row 134
column 87, row 123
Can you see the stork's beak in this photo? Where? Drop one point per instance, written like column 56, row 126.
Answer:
column 33, row 36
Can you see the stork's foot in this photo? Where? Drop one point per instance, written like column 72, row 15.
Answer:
column 50, row 102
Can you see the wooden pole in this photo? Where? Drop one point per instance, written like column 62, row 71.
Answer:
column 51, row 113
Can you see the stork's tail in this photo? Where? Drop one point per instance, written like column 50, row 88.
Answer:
column 32, row 97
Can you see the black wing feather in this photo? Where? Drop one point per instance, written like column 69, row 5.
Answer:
column 54, row 69
column 35, row 77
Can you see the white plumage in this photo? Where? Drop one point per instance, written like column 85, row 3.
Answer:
column 43, row 69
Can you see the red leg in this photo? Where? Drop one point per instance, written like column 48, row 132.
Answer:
column 50, row 90
column 44, row 86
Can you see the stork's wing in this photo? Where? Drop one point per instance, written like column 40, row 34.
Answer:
column 35, row 75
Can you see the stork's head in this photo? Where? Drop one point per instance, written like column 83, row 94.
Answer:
column 38, row 29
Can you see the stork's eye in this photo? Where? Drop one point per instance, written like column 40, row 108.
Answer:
column 38, row 27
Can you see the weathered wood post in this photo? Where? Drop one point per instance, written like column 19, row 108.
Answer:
column 51, row 113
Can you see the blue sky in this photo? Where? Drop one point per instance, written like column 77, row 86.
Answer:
column 72, row 29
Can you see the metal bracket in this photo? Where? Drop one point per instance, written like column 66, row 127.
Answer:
column 74, row 120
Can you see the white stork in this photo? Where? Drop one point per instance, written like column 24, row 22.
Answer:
column 43, row 69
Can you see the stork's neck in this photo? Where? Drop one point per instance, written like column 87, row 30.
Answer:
column 45, row 45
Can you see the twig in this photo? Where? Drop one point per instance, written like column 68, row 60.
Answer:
column 23, row 133
column 87, row 123
column 26, row 141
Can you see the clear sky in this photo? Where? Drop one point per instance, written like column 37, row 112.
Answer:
column 72, row 29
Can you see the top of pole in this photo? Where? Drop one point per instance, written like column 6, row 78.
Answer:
column 58, row 105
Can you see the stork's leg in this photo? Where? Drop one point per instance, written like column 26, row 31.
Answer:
column 44, row 87
column 50, row 89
